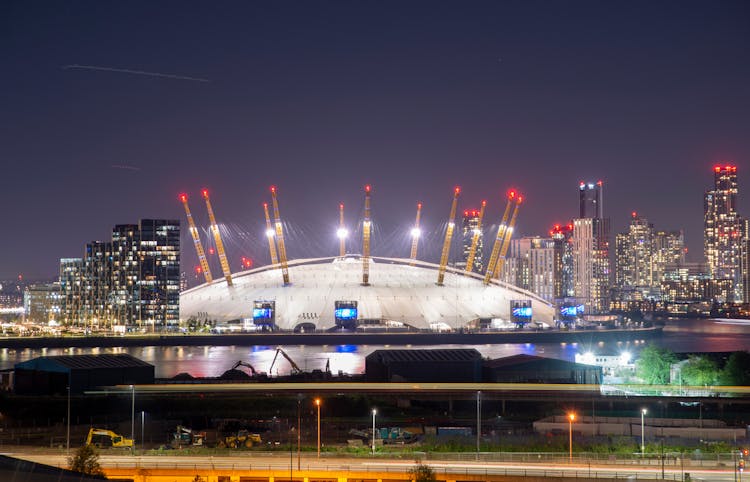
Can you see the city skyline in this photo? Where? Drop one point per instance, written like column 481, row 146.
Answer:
column 417, row 100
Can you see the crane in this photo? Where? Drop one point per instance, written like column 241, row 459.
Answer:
column 217, row 239
column 270, row 235
column 475, row 239
column 296, row 370
column 280, row 237
column 196, row 240
column 498, row 239
column 366, row 224
column 508, row 235
column 342, row 232
column 415, row 233
column 448, row 237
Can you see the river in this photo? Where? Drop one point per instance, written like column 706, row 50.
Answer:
column 207, row 361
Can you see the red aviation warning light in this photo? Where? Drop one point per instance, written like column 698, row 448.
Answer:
column 198, row 270
column 367, row 188
column 205, row 193
column 273, row 189
column 511, row 194
column 634, row 214
column 457, row 190
column 211, row 250
column 183, row 197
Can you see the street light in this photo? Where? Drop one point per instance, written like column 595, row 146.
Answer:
column 67, row 439
column 571, row 418
column 643, row 438
column 317, row 404
column 132, row 419
column 374, row 412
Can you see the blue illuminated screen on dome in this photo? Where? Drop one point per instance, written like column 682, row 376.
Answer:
column 345, row 313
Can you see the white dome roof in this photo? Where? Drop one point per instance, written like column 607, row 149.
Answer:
column 400, row 290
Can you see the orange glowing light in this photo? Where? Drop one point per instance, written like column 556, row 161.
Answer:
column 572, row 417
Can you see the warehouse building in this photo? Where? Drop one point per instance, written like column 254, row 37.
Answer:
column 535, row 369
column 48, row 375
column 449, row 366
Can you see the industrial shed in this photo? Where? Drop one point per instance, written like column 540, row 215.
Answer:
column 48, row 375
column 456, row 366
column 535, row 369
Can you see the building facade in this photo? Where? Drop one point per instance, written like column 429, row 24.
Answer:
column 724, row 231
column 591, row 269
column 132, row 281
column 470, row 227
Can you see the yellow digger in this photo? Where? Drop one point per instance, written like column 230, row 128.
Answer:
column 100, row 437
column 242, row 438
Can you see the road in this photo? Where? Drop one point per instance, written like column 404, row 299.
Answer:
column 281, row 463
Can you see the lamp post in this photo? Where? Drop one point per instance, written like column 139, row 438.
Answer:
column 571, row 418
column 317, row 404
column 143, row 423
column 132, row 419
column 374, row 412
column 67, row 439
column 479, row 419
column 643, row 438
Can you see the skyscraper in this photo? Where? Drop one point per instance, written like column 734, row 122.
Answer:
column 724, row 230
column 562, row 237
column 634, row 258
column 469, row 226
column 591, row 270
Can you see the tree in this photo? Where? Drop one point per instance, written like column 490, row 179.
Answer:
column 737, row 369
column 653, row 365
column 699, row 371
column 422, row 473
column 86, row 461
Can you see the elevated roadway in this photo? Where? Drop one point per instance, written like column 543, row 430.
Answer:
column 256, row 467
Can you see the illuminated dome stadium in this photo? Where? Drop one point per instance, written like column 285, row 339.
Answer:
column 326, row 293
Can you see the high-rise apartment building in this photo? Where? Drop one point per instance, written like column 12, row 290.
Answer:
column 562, row 238
column 41, row 302
column 132, row 281
column 530, row 265
column 470, row 226
column 591, row 271
column 669, row 250
column 634, row 255
column 724, row 230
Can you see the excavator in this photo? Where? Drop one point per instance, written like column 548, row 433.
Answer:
column 107, row 438
column 183, row 436
column 247, row 365
column 296, row 370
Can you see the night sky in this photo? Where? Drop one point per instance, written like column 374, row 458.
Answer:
column 322, row 97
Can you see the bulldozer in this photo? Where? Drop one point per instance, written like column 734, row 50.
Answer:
column 241, row 439
column 183, row 436
column 100, row 437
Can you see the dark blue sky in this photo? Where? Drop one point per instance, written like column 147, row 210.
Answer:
column 320, row 98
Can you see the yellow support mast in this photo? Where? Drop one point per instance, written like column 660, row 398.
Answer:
column 415, row 234
column 506, row 241
column 498, row 239
column 366, row 225
column 475, row 240
column 448, row 238
column 342, row 232
column 270, row 235
column 217, row 239
column 197, row 240
column 280, row 237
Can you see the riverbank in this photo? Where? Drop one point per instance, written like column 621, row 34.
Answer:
column 321, row 339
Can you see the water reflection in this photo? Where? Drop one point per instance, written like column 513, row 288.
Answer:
column 212, row 361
